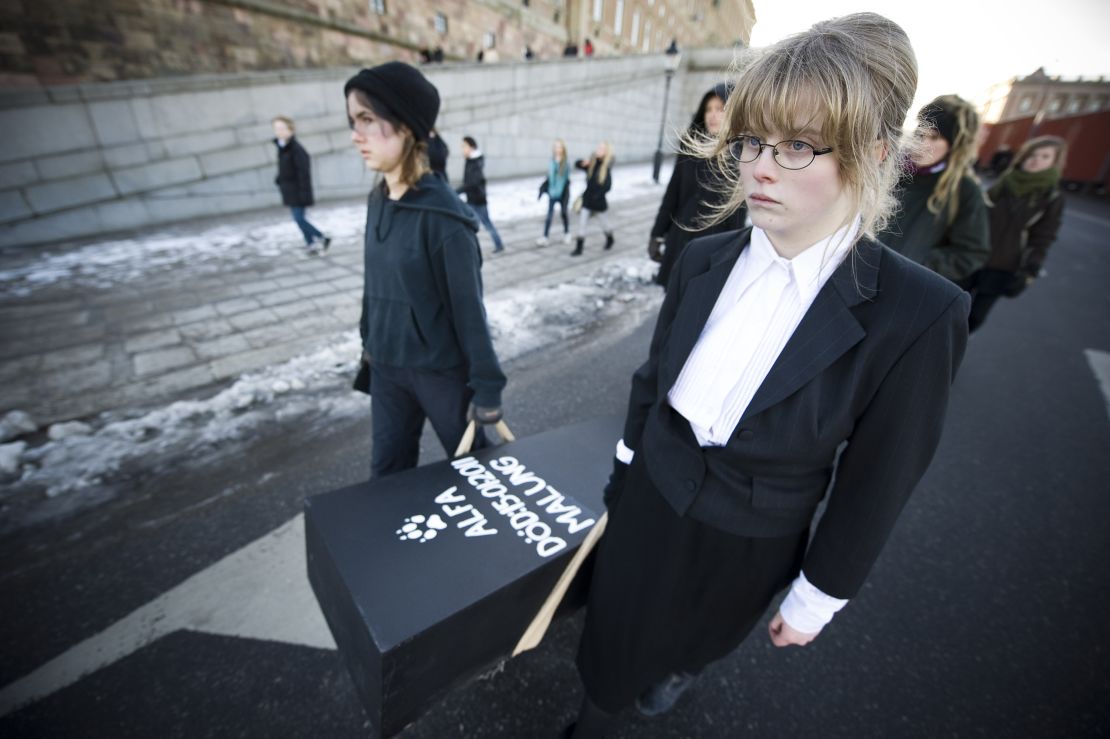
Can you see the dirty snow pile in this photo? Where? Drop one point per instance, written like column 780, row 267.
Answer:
column 249, row 239
column 83, row 464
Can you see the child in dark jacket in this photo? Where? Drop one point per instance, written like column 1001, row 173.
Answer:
column 294, row 180
column 599, row 179
column 423, row 326
column 1025, row 214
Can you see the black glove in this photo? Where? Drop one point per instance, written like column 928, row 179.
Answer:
column 362, row 379
column 654, row 250
column 484, row 416
column 615, row 486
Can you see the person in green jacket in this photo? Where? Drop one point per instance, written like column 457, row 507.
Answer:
column 941, row 220
column 1025, row 214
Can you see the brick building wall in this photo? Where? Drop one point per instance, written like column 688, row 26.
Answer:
column 64, row 42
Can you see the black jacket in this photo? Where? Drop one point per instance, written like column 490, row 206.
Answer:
column 594, row 196
column 294, row 177
column 689, row 193
column 422, row 296
column 1022, row 229
column 954, row 250
column 870, row 363
column 437, row 155
column 474, row 181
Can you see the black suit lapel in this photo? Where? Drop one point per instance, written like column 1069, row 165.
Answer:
column 827, row 330
column 699, row 296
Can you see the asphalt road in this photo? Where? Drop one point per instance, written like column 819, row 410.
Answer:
column 987, row 615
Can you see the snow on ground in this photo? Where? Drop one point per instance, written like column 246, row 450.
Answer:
column 79, row 470
column 221, row 246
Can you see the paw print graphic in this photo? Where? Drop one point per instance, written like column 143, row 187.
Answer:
column 421, row 528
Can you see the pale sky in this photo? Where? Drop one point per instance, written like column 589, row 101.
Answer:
column 965, row 46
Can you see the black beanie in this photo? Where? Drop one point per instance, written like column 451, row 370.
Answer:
column 941, row 117
column 408, row 94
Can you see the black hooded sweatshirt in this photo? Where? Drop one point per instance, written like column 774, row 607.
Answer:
column 692, row 189
column 422, row 296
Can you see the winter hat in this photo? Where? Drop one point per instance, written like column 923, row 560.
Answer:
column 404, row 90
column 942, row 117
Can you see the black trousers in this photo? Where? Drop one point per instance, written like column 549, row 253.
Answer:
column 671, row 594
column 401, row 399
column 986, row 287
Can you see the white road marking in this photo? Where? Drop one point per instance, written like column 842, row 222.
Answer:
column 1100, row 365
column 1087, row 217
column 259, row 592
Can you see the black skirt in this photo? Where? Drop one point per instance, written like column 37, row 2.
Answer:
column 672, row 594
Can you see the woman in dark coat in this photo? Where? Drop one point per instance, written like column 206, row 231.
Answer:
column 1025, row 214
column 294, row 180
column 599, row 178
column 695, row 187
column 793, row 361
column 941, row 220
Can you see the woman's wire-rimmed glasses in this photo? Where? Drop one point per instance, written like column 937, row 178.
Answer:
column 790, row 154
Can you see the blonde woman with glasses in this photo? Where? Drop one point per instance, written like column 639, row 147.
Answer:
column 794, row 354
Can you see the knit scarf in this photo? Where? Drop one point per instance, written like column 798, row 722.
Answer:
column 1026, row 184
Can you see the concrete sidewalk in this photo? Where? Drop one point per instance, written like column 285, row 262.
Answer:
column 71, row 352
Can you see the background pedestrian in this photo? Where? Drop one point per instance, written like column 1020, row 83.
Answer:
column 438, row 152
column 941, row 221
column 1025, row 214
column 694, row 191
column 474, row 188
column 599, row 179
column 294, row 181
column 557, row 188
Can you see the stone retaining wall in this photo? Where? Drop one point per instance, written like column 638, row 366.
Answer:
column 87, row 160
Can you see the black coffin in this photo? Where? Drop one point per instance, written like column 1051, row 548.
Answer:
column 429, row 577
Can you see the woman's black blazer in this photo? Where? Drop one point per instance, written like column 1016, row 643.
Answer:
column 870, row 363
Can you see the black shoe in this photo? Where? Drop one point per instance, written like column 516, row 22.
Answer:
column 661, row 697
column 609, row 241
column 578, row 244
column 327, row 242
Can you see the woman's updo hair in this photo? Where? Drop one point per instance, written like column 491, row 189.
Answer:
column 850, row 78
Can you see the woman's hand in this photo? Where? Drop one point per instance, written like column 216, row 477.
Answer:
column 783, row 635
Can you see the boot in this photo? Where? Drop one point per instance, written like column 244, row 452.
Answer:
column 609, row 240
column 578, row 244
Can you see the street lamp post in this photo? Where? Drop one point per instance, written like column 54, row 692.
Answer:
column 670, row 66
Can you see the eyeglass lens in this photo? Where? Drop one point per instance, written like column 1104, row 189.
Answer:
column 788, row 154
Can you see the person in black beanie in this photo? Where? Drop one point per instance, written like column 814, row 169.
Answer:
column 425, row 336
column 942, row 219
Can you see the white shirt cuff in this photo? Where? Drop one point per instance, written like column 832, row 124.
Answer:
column 624, row 454
column 806, row 608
